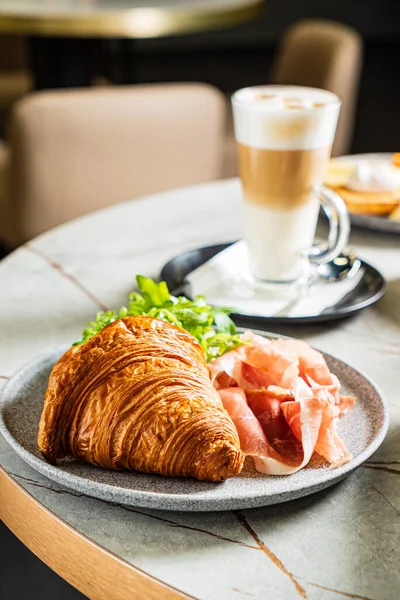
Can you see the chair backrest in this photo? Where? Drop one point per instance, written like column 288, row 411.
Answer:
column 326, row 55
column 13, row 53
column 80, row 150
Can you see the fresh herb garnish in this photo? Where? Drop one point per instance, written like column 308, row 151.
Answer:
column 211, row 326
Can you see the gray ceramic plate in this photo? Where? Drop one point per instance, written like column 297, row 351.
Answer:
column 363, row 430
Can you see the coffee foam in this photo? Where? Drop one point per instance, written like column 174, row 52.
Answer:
column 285, row 117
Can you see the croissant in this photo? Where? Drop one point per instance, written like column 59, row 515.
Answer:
column 138, row 396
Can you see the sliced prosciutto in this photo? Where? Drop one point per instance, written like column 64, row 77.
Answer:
column 346, row 403
column 252, row 439
column 254, row 442
column 266, row 406
column 228, row 367
column 284, row 402
column 328, row 443
column 269, row 365
column 311, row 362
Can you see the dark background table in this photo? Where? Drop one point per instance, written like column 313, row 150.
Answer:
column 64, row 35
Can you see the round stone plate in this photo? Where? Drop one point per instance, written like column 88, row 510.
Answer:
column 362, row 429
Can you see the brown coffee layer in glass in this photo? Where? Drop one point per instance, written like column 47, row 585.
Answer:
column 281, row 178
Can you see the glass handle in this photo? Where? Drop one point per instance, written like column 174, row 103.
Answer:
column 339, row 227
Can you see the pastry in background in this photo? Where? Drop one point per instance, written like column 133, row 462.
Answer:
column 369, row 187
column 396, row 159
column 370, row 203
column 138, row 396
column 338, row 173
column 395, row 214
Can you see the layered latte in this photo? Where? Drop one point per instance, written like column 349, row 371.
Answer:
column 284, row 137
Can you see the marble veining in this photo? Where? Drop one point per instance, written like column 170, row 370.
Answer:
column 63, row 273
column 340, row 542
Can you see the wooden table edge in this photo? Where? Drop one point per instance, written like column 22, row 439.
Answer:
column 93, row 570
column 133, row 22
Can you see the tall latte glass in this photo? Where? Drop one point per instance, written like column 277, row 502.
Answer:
column 284, row 136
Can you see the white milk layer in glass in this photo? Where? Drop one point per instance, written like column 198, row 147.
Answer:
column 290, row 122
column 278, row 240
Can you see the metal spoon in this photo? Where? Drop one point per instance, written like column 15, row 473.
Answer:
column 344, row 266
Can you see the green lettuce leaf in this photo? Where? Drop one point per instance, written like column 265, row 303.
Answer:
column 211, row 326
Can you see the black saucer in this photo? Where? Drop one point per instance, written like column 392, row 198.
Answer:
column 369, row 289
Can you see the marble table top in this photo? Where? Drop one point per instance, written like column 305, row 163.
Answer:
column 341, row 542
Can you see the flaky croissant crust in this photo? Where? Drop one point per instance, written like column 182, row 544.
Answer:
column 138, row 396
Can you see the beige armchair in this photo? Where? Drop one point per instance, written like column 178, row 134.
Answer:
column 327, row 55
column 15, row 77
column 73, row 152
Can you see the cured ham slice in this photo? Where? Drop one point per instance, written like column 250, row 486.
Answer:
column 311, row 362
column 325, row 417
column 254, row 442
column 284, row 402
column 266, row 406
column 252, row 439
column 229, row 364
column 292, row 412
column 329, row 444
column 333, row 387
column 274, row 362
column 346, row 403
column 268, row 365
